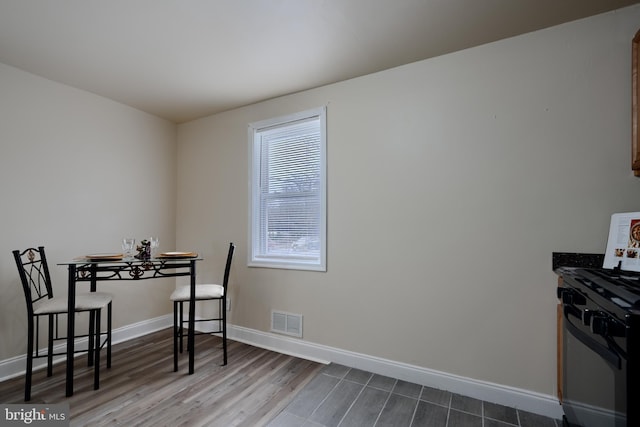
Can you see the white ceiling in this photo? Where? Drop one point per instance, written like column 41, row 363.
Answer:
column 185, row 59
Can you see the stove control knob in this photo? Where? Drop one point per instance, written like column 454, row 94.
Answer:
column 571, row 296
column 605, row 325
column 599, row 324
column 586, row 316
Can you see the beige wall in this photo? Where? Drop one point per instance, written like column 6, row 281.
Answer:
column 77, row 173
column 450, row 183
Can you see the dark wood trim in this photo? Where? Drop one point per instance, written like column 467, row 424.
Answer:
column 635, row 112
column 559, row 345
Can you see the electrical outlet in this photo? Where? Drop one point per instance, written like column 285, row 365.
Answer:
column 228, row 304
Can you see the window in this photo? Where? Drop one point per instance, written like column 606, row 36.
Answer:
column 288, row 192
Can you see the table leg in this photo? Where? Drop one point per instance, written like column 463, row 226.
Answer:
column 192, row 317
column 92, row 319
column 71, row 302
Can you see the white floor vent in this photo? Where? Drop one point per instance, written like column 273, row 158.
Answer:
column 286, row 323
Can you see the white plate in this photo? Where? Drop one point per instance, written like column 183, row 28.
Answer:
column 104, row 257
column 178, row 255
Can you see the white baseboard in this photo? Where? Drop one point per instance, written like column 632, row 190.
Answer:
column 16, row 366
column 525, row 400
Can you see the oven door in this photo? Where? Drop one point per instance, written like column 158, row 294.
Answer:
column 594, row 368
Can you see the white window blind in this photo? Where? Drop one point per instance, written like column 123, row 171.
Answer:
column 288, row 218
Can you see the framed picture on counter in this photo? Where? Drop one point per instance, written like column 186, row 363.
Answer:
column 623, row 244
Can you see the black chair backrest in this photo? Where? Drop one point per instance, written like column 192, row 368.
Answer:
column 34, row 275
column 227, row 268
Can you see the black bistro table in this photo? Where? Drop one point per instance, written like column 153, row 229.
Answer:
column 96, row 269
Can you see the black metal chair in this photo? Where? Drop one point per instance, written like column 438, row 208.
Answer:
column 36, row 283
column 203, row 293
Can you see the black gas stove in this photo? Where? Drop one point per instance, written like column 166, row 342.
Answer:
column 601, row 346
column 617, row 289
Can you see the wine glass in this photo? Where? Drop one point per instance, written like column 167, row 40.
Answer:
column 128, row 244
column 155, row 242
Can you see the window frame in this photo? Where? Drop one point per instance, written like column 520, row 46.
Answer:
column 255, row 257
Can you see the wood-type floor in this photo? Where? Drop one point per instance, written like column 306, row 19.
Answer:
column 340, row 396
column 258, row 387
column 141, row 389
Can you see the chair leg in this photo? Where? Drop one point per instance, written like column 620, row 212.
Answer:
column 27, row 376
column 90, row 335
column 52, row 318
column 96, row 365
column 109, row 336
column 175, row 336
column 223, row 308
column 181, row 323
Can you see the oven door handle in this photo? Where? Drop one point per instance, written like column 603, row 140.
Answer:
column 605, row 352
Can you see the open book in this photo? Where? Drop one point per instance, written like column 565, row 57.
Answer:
column 623, row 246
